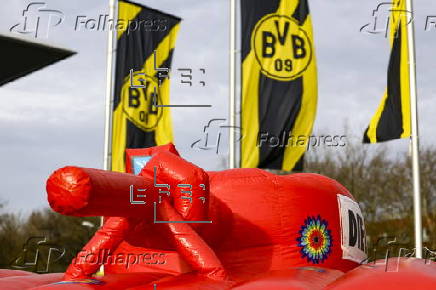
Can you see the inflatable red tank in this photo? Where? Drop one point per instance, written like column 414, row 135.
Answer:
column 171, row 225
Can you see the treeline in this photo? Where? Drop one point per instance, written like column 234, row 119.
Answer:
column 44, row 241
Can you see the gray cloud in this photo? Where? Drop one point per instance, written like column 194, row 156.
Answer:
column 55, row 117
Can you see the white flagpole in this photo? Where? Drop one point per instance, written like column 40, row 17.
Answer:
column 107, row 160
column 232, row 86
column 109, row 87
column 415, row 135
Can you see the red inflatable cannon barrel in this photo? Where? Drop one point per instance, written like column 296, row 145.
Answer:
column 91, row 192
column 78, row 191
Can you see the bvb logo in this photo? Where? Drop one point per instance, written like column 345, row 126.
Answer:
column 282, row 48
column 138, row 101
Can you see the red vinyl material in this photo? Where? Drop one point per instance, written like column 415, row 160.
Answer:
column 189, row 184
column 107, row 237
column 257, row 217
column 310, row 278
column 10, row 273
column 395, row 273
column 92, row 192
column 187, row 281
column 241, row 228
column 20, row 282
column 108, row 282
column 262, row 215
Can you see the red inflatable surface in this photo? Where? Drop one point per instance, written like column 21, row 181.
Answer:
column 176, row 226
column 396, row 273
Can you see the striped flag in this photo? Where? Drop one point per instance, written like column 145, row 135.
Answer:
column 392, row 119
column 145, row 46
column 279, row 83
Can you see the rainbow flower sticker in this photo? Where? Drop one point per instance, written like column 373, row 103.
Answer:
column 315, row 240
column 81, row 281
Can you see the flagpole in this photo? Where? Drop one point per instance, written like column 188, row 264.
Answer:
column 107, row 161
column 109, row 87
column 232, row 86
column 415, row 135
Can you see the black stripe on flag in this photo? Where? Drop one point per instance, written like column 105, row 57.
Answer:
column 390, row 125
column 138, row 138
column 301, row 12
column 135, row 48
column 279, row 105
column 254, row 11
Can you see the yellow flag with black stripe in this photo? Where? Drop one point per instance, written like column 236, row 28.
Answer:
column 392, row 119
column 145, row 45
column 279, row 83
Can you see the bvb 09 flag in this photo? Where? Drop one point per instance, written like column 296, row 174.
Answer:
column 392, row 119
column 279, row 83
column 137, row 121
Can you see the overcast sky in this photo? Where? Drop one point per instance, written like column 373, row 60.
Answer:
column 55, row 117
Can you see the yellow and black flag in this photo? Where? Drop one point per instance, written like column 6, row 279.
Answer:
column 279, row 83
column 392, row 119
column 145, row 45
